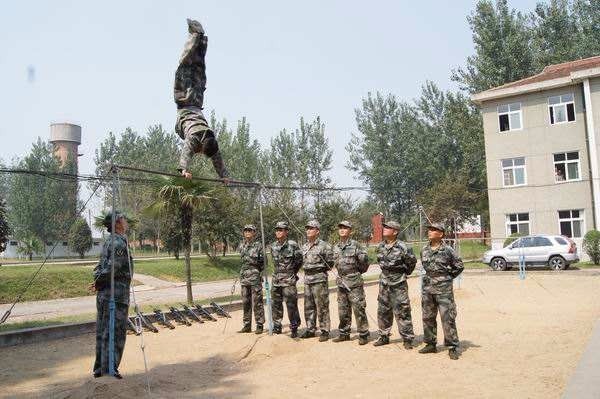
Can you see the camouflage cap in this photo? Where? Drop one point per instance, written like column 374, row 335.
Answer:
column 282, row 226
column 392, row 224
column 437, row 226
column 250, row 227
column 313, row 224
column 345, row 223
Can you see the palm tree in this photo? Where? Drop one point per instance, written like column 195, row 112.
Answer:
column 177, row 196
column 30, row 245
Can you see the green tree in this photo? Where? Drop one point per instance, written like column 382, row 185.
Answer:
column 503, row 47
column 329, row 213
column 591, row 245
column 80, row 237
column 176, row 195
column 172, row 236
column 587, row 15
column 362, row 219
column 5, row 230
column 30, row 245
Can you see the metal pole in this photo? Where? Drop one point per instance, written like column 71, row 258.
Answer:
column 267, row 287
column 111, row 304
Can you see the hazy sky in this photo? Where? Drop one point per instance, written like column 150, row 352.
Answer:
column 109, row 65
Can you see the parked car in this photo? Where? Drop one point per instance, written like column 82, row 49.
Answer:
column 557, row 252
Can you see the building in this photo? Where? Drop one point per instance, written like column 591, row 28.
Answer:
column 541, row 143
column 66, row 139
column 61, row 251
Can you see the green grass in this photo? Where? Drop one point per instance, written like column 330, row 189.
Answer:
column 203, row 269
column 51, row 283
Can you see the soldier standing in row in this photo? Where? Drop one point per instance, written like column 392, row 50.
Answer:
column 441, row 265
column 101, row 284
column 351, row 261
column 287, row 258
column 191, row 125
column 397, row 262
column 318, row 260
column 251, row 253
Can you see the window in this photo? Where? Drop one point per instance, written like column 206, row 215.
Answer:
column 517, row 223
column 96, row 243
column 65, row 243
column 509, row 117
column 513, row 172
column 561, row 108
column 566, row 166
column 571, row 223
column 14, row 243
column 541, row 242
column 560, row 240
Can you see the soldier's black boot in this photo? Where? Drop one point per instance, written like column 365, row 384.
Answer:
column 294, row 333
column 408, row 344
column 382, row 340
column 429, row 348
column 97, row 374
column 118, row 375
column 363, row 340
column 277, row 330
column 341, row 338
column 259, row 329
column 324, row 336
column 308, row 334
column 453, row 353
column 245, row 329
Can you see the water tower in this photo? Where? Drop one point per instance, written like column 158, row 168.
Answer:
column 66, row 138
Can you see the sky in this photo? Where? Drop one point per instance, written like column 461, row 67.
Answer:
column 110, row 65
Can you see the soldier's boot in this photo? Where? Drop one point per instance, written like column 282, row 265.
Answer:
column 324, row 336
column 308, row 334
column 118, row 375
column 341, row 338
column 277, row 330
column 294, row 333
column 429, row 348
column 259, row 329
column 245, row 329
column 97, row 374
column 363, row 340
column 453, row 354
column 408, row 344
column 382, row 340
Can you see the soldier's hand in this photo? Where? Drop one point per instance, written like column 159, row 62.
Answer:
column 226, row 181
column 186, row 174
column 92, row 287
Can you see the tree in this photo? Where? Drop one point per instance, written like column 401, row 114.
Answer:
column 503, row 50
column 362, row 219
column 591, row 245
column 30, row 245
column 5, row 230
column 176, row 195
column 329, row 213
column 172, row 237
column 80, row 237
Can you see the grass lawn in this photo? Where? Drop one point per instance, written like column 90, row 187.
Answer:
column 203, row 269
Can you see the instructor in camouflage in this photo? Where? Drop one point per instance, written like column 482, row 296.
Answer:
column 396, row 261
column 317, row 261
column 441, row 265
column 191, row 125
column 287, row 258
column 102, row 286
column 251, row 253
column 351, row 261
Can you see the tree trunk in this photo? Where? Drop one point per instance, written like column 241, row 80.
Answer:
column 186, row 224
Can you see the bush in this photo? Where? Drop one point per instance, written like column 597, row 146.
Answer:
column 591, row 245
column 80, row 237
column 512, row 238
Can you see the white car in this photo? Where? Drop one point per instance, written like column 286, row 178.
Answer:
column 557, row 252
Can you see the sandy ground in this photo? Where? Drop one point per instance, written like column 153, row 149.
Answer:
column 519, row 339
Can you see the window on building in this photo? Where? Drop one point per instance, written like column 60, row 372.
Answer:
column 517, row 223
column 513, row 172
column 566, row 166
column 561, row 108
column 14, row 243
column 96, row 243
column 571, row 223
column 509, row 117
column 65, row 243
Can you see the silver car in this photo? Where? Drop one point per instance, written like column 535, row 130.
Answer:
column 557, row 252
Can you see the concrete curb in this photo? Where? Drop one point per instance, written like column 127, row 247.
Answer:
column 42, row 334
column 585, row 381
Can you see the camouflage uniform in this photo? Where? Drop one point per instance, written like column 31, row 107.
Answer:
column 287, row 258
column 396, row 262
column 190, row 83
column 251, row 281
column 441, row 266
column 351, row 261
column 122, row 283
column 317, row 261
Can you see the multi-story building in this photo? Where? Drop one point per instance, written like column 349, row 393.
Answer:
column 542, row 137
